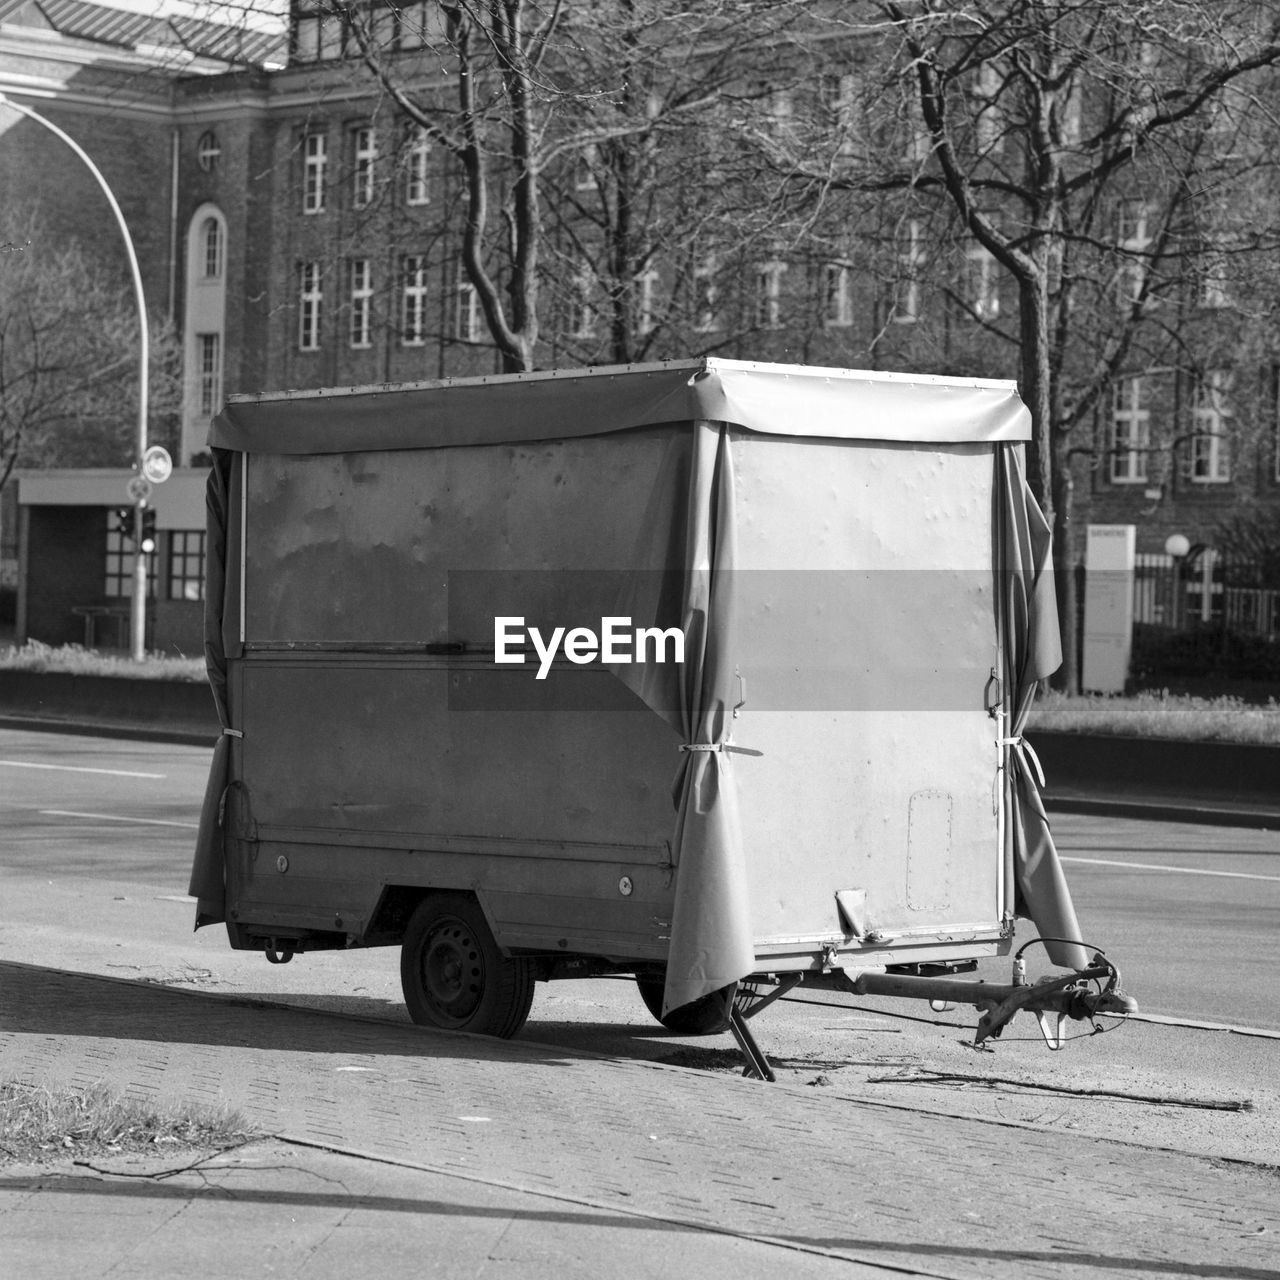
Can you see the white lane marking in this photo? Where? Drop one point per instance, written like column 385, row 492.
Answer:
column 116, row 817
column 175, row 897
column 79, row 768
column 1184, row 871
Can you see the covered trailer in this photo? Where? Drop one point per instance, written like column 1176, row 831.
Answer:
column 710, row 672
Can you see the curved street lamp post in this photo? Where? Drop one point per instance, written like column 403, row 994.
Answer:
column 138, row 605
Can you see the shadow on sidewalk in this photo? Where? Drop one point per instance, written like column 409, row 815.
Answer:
column 54, row 1002
column 896, row 1254
column 1097, row 1263
column 151, row 1189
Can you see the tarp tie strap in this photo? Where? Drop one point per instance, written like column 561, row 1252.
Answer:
column 1024, row 750
column 719, row 746
column 233, row 733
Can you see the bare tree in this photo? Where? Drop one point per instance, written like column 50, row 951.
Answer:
column 68, row 362
column 1107, row 159
column 583, row 137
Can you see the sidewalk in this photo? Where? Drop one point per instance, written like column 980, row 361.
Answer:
column 403, row 1150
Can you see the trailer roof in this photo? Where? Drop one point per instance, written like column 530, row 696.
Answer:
column 773, row 399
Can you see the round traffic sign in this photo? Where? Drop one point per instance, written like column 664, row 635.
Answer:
column 157, row 466
column 139, row 488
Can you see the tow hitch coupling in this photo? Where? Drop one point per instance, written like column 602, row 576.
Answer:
column 1080, row 995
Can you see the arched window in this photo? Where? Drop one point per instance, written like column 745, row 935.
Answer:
column 211, row 239
column 204, row 324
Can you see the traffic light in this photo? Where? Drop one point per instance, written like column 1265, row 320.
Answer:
column 148, row 529
column 124, row 522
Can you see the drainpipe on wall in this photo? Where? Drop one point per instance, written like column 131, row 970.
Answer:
column 173, row 228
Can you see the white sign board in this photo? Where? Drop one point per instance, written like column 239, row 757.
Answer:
column 1108, row 606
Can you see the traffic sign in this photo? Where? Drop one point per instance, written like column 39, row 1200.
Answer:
column 157, row 466
column 139, row 488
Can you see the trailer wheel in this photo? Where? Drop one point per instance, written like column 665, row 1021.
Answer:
column 454, row 975
column 707, row 1016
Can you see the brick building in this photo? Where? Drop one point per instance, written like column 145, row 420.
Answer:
column 301, row 232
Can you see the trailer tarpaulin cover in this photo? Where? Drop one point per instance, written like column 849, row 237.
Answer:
column 690, row 538
column 207, row 875
column 551, row 406
column 691, row 528
column 1032, row 651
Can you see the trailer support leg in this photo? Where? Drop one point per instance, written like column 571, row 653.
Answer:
column 758, row 1067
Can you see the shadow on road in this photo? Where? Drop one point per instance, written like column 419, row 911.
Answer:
column 53, row 1002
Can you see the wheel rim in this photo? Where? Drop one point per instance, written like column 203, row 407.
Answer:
column 452, row 972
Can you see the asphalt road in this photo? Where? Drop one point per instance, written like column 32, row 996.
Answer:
column 1189, row 913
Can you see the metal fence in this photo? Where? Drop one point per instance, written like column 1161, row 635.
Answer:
column 1207, row 590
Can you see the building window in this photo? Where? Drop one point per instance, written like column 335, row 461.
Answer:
column 418, row 186
column 780, row 108
column 310, row 297
column 1133, row 239
column 413, row 312
column 581, row 320
column 647, row 300
column 317, row 36
column 769, row 294
column 208, row 151
column 414, row 25
column 314, row 160
column 1071, row 113
column 211, row 238
column 906, row 299
column 209, row 355
column 988, row 118
column 186, row 564
column 706, row 297
column 120, row 560
column 838, row 101
column 837, row 296
column 585, row 167
column 981, row 283
column 1215, row 290
column 365, row 150
column 361, row 332
column 1210, row 460
column 468, row 317
column 1130, row 430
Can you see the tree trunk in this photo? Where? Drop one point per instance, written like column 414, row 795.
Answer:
column 1067, row 677
column 1048, row 464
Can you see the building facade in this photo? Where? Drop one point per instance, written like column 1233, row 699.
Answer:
column 301, row 229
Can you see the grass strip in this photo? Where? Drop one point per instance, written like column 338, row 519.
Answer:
column 76, row 660
column 1161, row 715
column 40, row 1124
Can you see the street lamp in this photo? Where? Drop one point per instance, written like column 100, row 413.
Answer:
column 1177, row 546
column 138, row 606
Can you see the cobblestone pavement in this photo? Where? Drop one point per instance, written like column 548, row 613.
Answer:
column 894, row 1187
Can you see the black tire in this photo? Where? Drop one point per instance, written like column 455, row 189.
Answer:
column 454, row 976
column 706, row 1016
